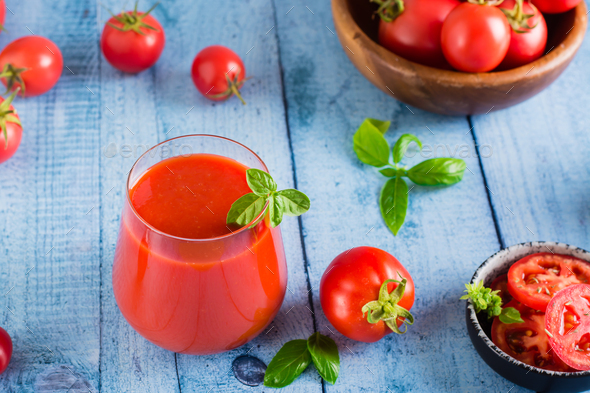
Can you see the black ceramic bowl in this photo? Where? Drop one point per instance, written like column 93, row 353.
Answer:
column 479, row 327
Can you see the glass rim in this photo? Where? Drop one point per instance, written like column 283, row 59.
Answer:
column 209, row 239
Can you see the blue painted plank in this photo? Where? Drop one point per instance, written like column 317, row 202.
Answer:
column 50, row 244
column 447, row 234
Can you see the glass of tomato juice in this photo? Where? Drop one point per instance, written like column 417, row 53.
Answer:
column 182, row 277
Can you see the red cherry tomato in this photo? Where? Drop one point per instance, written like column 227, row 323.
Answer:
column 528, row 37
column 475, row 38
column 5, row 350
column 415, row 33
column 2, row 14
column 568, row 323
column 132, row 41
column 32, row 63
column 555, row 6
column 528, row 341
column 501, row 284
column 218, row 73
column 352, row 280
column 536, row 278
column 11, row 130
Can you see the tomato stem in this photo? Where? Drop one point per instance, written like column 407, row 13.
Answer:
column 518, row 20
column 13, row 78
column 7, row 114
column 389, row 9
column 131, row 21
column 233, row 88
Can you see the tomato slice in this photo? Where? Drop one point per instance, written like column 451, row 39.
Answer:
column 501, row 284
column 528, row 341
column 535, row 279
column 568, row 323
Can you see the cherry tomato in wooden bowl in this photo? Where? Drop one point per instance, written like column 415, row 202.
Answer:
column 11, row 130
column 32, row 64
column 5, row 350
column 366, row 294
column 132, row 41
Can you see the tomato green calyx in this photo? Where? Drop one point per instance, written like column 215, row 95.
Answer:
column 389, row 9
column 233, row 88
column 13, row 77
column 8, row 115
column 518, row 20
column 386, row 308
column 131, row 21
column 492, row 3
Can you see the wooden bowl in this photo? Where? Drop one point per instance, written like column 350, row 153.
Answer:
column 452, row 92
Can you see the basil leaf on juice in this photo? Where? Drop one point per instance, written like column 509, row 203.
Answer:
column 401, row 146
column 276, row 207
column 381, row 125
column 291, row 360
column 245, row 209
column 394, row 203
column 438, row 171
column 370, row 146
column 324, row 354
column 295, row 203
column 510, row 315
column 260, row 182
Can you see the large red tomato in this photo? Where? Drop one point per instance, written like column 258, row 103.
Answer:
column 415, row 33
column 362, row 283
column 475, row 38
column 132, row 41
column 11, row 130
column 555, row 6
column 528, row 36
column 32, row 63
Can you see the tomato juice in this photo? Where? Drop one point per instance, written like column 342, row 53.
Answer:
column 182, row 278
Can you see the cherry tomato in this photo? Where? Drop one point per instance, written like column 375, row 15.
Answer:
column 528, row 341
column 568, row 323
column 132, row 41
column 501, row 284
column 32, row 63
column 415, row 33
column 536, row 278
column 2, row 14
column 475, row 38
column 528, row 36
column 5, row 350
column 555, row 6
column 358, row 278
column 218, row 73
column 11, row 130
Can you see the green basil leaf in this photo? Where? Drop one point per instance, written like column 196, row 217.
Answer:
column 370, row 146
column 245, row 209
column 389, row 172
column 402, row 145
column 260, row 182
column 381, row 125
column 295, row 203
column 510, row 315
column 394, row 203
column 324, row 353
column 276, row 208
column 291, row 360
column 437, row 171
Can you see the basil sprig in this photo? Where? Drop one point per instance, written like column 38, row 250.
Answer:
column 371, row 148
column 488, row 301
column 288, row 202
column 294, row 357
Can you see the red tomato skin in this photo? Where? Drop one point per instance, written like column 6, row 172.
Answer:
column 352, row 280
column 525, row 47
column 5, row 349
column 415, row 34
column 210, row 67
column 2, row 12
column 129, row 51
column 475, row 38
column 555, row 6
column 40, row 56
column 14, row 133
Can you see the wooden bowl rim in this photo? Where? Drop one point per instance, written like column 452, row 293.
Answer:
column 554, row 59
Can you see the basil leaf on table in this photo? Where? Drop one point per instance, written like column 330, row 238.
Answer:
column 401, row 146
column 276, row 207
column 291, row 360
column 381, row 125
column 295, row 203
column 438, row 171
column 324, row 354
column 393, row 202
column 245, row 209
column 370, row 146
column 510, row 315
column 260, row 182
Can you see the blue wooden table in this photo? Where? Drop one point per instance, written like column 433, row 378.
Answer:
column 62, row 193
